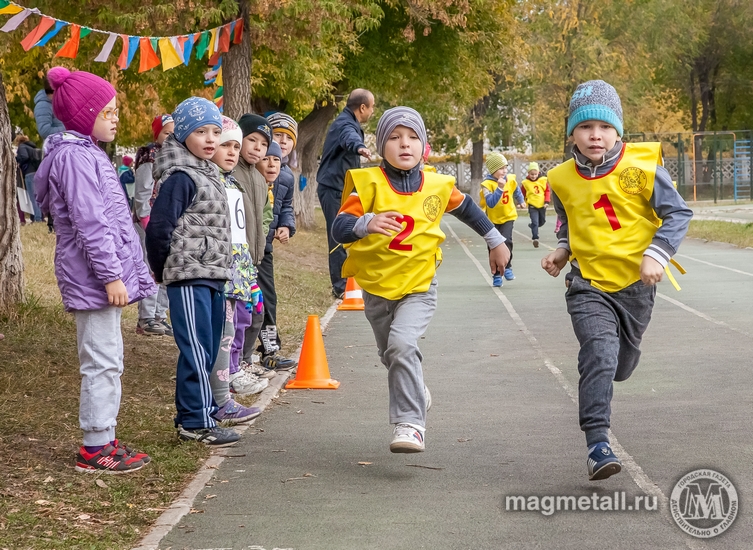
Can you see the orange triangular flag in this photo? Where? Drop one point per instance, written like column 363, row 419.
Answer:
column 224, row 39
column 70, row 48
column 36, row 35
column 123, row 59
column 149, row 59
column 238, row 32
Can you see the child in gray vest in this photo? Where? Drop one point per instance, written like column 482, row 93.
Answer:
column 189, row 248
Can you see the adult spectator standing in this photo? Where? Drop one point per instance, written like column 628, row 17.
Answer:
column 343, row 148
column 47, row 122
column 29, row 157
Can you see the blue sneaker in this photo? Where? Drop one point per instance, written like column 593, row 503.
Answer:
column 509, row 275
column 602, row 463
column 497, row 280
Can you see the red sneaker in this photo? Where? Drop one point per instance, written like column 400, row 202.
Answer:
column 145, row 458
column 110, row 460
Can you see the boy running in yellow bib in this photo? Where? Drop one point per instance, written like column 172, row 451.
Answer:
column 390, row 221
column 622, row 221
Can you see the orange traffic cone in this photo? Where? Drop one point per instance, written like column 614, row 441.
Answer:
column 353, row 299
column 313, row 370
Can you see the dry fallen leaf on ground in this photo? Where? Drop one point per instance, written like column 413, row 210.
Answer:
column 48, row 479
column 364, row 463
column 101, row 483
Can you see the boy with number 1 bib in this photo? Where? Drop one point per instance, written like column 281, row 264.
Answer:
column 622, row 221
column 390, row 221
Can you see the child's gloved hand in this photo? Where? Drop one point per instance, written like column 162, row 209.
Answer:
column 257, row 300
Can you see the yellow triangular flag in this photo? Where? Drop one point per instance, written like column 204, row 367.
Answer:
column 170, row 58
column 218, row 80
column 11, row 10
column 212, row 42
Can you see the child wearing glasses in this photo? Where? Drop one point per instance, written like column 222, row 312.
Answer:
column 98, row 260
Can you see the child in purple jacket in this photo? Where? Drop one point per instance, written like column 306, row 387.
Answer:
column 98, row 260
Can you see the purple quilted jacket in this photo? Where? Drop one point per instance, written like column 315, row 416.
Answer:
column 96, row 241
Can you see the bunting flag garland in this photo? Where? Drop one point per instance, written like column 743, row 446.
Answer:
column 70, row 48
column 36, row 35
column 149, row 58
column 171, row 58
column 15, row 21
column 7, row 9
column 107, row 48
column 168, row 51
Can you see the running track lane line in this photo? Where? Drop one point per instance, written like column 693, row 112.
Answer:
column 678, row 303
column 645, row 483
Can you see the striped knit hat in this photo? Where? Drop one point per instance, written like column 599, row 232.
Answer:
column 595, row 100
column 399, row 116
column 280, row 122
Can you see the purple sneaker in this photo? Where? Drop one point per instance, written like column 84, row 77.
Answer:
column 233, row 413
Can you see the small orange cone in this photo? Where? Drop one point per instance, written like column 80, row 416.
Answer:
column 313, row 370
column 353, row 298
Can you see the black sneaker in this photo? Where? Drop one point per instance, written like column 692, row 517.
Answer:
column 110, row 460
column 278, row 362
column 214, row 437
column 338, row 294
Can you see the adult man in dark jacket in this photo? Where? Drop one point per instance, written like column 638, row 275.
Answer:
column 343, row 148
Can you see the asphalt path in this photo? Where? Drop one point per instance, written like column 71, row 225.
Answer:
column 315, row 471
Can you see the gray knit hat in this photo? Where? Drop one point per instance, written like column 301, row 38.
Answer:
column 595, row 100
column 399, row 116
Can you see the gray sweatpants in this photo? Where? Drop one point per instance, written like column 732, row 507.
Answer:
column 100, row 353
column 609, row 328
column 397, row 326
column 219, row 379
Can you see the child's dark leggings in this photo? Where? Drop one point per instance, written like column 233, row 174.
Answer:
column 506, row 230
column 609, row 328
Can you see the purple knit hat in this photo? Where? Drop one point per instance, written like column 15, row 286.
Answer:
column 78, row 98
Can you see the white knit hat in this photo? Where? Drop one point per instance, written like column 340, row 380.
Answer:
column 230, row 131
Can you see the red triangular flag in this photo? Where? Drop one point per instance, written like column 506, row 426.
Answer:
column 70, row 48
column 214, row 59
column 149, row 58
column 238, row 32
column 36, row 35
column 123, row 59
column 224, row 39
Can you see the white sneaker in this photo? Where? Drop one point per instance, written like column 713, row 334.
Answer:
column 257, row 370
column 245, row 383
column 407, row 439
column 427, row 397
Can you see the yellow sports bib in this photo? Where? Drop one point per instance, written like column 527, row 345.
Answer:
column 535, row 191
column 504, row 210
column 610, row 219
column 404, row 263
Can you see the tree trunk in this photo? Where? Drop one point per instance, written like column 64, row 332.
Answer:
column 236, row 72
column 311, row 133
column 477, row 168
column 11, row 260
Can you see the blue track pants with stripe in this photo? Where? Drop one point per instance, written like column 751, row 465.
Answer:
column 198, row 315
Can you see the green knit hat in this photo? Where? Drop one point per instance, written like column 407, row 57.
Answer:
column 533, row 166
column 495, row 161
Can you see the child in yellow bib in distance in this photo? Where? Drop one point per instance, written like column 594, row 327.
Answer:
column 538, row 196
column 622, row 221
column 499, row 194
column 389, row 222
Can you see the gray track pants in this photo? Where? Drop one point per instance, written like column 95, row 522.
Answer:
column 397, row 326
